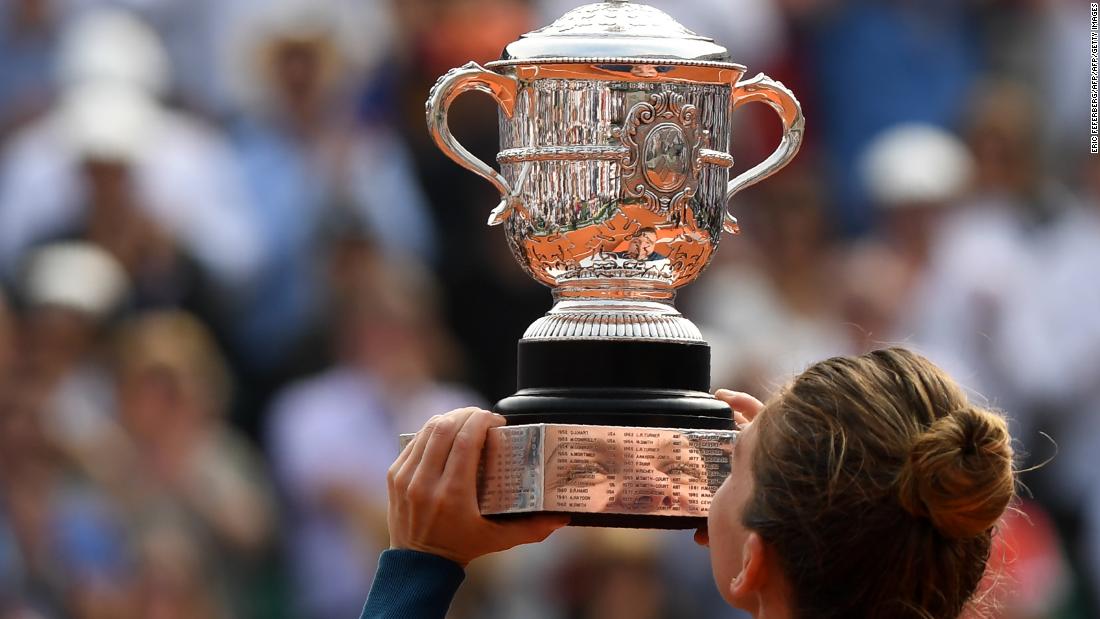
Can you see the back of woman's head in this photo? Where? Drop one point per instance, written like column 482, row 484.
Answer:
column 878, row 484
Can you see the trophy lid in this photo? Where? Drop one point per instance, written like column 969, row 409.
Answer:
column 614, row 29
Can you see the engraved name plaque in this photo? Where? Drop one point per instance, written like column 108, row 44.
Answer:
column 587, row 469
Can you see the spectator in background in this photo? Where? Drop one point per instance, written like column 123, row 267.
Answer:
column 195, row 36
column 1050, row 351
column 332, row 437
column 7, row 338
column 162, row 186
column 616, row 574
column 492, row 299
column 1060, row 35
column 28, row 39
column 990, row 255
column 1050, row 339
column 163, row 512
column 309, row 163
column 59, row 416
column 63, row 549
column 174, row 578
column 914, row 174
column 1091, row 541
column 900, row 61
column 193, row 475
column 71, row 293
column 769, row 313
column 917, row 175
column 982, row 287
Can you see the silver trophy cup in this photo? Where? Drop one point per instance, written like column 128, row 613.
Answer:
column 614, row 179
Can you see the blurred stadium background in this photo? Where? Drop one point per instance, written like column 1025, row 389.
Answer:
column 233, row 267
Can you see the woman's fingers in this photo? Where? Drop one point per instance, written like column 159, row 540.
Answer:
column 405, row 466
column 395, row 468
column 438, row 446
column 406, row 450
column 433, row 500
column 461, row 468
column 745, row 407
column 740, row 420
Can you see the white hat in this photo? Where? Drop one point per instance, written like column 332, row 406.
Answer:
column 76, row 275
column 113, row 46
column 359, row 32
column 109, row 122
column 915, row 164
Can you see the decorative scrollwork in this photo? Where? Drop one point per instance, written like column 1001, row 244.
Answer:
column 664, row 145
column 581, row 152
column 443, row 79
column 716, row 157
column 616, row 60
column 601, row 18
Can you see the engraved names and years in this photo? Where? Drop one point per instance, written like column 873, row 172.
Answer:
column 602, row 469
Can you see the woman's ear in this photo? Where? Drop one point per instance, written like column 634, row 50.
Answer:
column 746, row 586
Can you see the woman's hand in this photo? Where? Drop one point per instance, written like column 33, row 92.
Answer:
column 744, row 406
column 433, row 493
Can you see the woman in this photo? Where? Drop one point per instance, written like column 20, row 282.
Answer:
column 869, row 487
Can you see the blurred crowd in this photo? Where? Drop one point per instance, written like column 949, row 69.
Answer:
column 233, row 267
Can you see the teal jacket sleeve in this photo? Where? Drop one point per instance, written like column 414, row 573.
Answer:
column 412, row 584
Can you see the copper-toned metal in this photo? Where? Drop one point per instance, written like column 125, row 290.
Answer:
column 615, row 138
column 471, row 76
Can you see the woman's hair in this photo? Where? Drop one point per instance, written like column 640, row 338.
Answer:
column 878, row 484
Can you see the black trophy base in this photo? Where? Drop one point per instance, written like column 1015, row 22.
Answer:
column 620, row 521
column 617, row 383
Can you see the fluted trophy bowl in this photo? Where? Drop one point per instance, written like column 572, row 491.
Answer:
column 614, row 176
column 614, row 170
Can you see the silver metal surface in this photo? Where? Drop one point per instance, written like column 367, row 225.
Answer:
column 602, row 469
column 614, row 162
column 617, row 29
column 614, row 178
column 469, row 77
column 611, row 319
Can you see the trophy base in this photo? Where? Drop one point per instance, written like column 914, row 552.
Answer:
column 620, row 521
column 605, row 476
column 596, row 386
column 615, row 382
column 588, row 317
column 608, row 476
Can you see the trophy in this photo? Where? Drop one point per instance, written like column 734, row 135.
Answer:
column 614, row 179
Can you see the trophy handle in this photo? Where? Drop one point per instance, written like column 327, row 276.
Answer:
column 766, row 90
column 471, row 76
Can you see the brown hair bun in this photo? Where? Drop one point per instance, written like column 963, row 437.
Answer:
column 959, row 473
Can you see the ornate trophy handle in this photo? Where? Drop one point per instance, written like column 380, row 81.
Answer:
column 453, row 83
column 766, row 90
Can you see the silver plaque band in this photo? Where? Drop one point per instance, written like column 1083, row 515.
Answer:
column 601, row 469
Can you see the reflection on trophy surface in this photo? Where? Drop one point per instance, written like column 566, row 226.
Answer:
column 608, row 470
column 614, row 179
